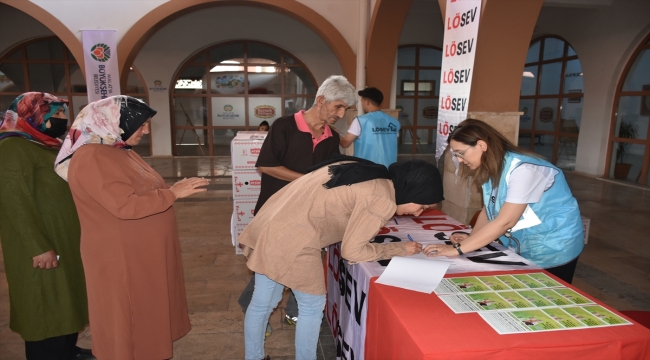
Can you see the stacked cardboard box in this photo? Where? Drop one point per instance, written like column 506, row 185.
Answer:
column 246, row 180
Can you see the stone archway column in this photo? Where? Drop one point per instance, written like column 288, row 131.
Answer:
column 504, row 36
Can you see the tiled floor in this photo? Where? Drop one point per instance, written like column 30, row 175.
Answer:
column 615, row 266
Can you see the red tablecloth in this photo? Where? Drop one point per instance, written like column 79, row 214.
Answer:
column 405, row 324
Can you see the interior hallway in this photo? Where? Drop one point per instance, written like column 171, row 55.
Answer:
column 615, row 266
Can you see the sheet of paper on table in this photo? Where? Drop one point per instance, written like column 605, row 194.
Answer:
column 412, row 273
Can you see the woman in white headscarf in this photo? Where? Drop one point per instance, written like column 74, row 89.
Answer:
column 129, row 242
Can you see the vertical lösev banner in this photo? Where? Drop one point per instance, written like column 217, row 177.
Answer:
column 100, row 57
column 461, row 30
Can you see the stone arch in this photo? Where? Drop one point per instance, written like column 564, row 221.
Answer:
column 384, row 32
column 55, row 25
column 140, row 32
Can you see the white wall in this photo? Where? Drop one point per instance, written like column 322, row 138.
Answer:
column 123, row 14
column 99, row 14
column 342, row 14
column 604, row 38
column 172, row 45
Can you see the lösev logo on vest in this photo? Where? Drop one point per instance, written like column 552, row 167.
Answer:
column 391, row 128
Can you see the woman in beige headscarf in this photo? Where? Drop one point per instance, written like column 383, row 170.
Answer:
column 129, row 242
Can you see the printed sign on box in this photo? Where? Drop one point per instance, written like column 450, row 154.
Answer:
column 246, row 184
column 245, row 148
column 239, row 248
column 243, row 211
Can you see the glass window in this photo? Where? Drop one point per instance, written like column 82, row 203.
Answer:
column 430, row 57
column 298, row 81
column 418, row 90
column 192, row 80
column 553, row 48
column 546, row 114
column 571, row 52
column 47, row 77
column 550, row 79
column 45, row 50
column 529, row 81
column 628, row 140
column 406, row 111
column 527, row 107
column 406, row 82
column 533, row 52
column 638, row 77
column 12, row 78
column 227, row 83
column 632, row 117
column 17, row 55
column 429, row 82
column 427, row 112
column 573, row 79
column 77, row 80
column 542, row 129
column 264, row 80
column 249, row 82
column 260, row 53
column 406, row 56
column 230, row 52
column 293, row 105
column 190, row 111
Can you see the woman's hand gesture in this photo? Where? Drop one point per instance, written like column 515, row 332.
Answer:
column 187, row 187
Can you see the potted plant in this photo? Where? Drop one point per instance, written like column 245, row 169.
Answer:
column 621, row 168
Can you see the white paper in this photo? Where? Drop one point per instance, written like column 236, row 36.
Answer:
column 422, row 275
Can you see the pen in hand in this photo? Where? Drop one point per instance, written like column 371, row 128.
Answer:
column 409, row 236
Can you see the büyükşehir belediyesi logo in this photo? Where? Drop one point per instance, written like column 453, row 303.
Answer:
column 100, row 52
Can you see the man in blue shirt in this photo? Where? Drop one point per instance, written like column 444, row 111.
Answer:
column 374, row 133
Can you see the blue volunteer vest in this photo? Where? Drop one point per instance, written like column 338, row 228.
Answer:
column 549, row 232
column 378, row 139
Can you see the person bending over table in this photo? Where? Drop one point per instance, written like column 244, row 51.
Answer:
column 527, row 202
column 348, row 201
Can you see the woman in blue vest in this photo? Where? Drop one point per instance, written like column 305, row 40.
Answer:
column 527, row 202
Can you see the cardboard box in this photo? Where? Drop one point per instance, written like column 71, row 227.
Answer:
column 239, row 248
column 243, row 211
column 245, row 148
column 585, row 225
column 246, row 184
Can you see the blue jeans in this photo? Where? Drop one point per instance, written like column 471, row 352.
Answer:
column 266, row 296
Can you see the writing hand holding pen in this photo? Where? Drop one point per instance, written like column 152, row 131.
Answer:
column 412, row 247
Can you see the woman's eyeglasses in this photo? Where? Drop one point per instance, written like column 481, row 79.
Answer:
column 461, row 154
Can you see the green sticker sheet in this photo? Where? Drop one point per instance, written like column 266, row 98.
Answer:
column 522, row 303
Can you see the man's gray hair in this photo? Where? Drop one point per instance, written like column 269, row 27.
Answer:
column 337, row 87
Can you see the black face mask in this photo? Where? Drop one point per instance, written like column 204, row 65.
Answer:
column 57, row 128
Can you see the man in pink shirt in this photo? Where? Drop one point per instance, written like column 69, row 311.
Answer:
column 294, row 144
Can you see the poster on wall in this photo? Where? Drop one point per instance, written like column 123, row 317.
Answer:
column 459, row 49
column 228, row 111
column 264, row 108
column 100, row 58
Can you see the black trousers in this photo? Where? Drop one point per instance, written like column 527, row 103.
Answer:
column 566, row 271
column 62, row 347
